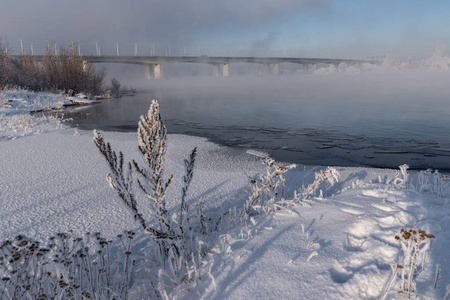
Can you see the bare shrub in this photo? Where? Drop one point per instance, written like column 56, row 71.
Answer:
column 28, row 74
column 73, row 71
column 5, row 65
column 115, row 87
column 62, row 71
column 68, row 71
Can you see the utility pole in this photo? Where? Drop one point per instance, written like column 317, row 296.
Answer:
column 73, row 51
column 117, row 48
column 32, row 49
column 135, row 49
column 21, row 46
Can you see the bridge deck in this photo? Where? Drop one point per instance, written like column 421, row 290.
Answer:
column 146, row 60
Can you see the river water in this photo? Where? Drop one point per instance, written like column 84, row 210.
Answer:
column 381, row 121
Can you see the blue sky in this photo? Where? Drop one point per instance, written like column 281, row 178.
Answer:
column 345, row 28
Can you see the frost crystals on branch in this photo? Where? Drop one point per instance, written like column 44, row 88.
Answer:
column 267, row 189
column 152, row 145
column 415, row 244
column 118, row 179
column 402, row 182
column 330, row 174
column 175, row 236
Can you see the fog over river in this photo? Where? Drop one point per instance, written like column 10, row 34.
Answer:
column 381, row 118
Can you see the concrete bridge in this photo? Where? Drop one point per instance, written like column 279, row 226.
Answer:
column 153, row 64
column 153, row 70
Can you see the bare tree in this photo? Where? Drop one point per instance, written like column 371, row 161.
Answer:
column 115, row 87
column 5, row 65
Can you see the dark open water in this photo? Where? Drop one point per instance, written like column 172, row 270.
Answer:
column 302, row 125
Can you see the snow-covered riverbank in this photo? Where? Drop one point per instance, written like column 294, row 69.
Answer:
column 338, row 244
column 16, row 106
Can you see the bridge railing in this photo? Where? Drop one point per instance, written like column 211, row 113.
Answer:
column 150, row 49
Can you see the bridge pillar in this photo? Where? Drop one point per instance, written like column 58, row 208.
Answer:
column 276, row 69
column 157, row 71
column 85, row 65
column 216, row 70
column 153, row 71
column 149, row 74
column 225, row 70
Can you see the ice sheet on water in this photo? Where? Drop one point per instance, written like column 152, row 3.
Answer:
column 257, row 153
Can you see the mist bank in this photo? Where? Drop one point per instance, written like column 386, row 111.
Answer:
column 379, row 84
column 398, row 77
column 379, row 118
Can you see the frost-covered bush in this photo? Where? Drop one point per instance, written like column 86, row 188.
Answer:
column 426, row 181
column 67, row 267
column 433, row 182
column 267, row 189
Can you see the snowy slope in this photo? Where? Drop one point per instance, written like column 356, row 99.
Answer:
column 15, row 106
column 340, row 247
column 338, row 244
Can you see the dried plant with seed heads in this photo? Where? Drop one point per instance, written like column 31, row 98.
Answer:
column 65, row 267
column 266, row 188
column 174, row 235
column 415, row 244
column 330, row 174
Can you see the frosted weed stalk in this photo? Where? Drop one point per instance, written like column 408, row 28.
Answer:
column 175, row 236
column 330, row 174
column 415, row 244
column 433, row 182
column 267, row 189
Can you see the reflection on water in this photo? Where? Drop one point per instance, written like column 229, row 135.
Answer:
column 303, row 128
